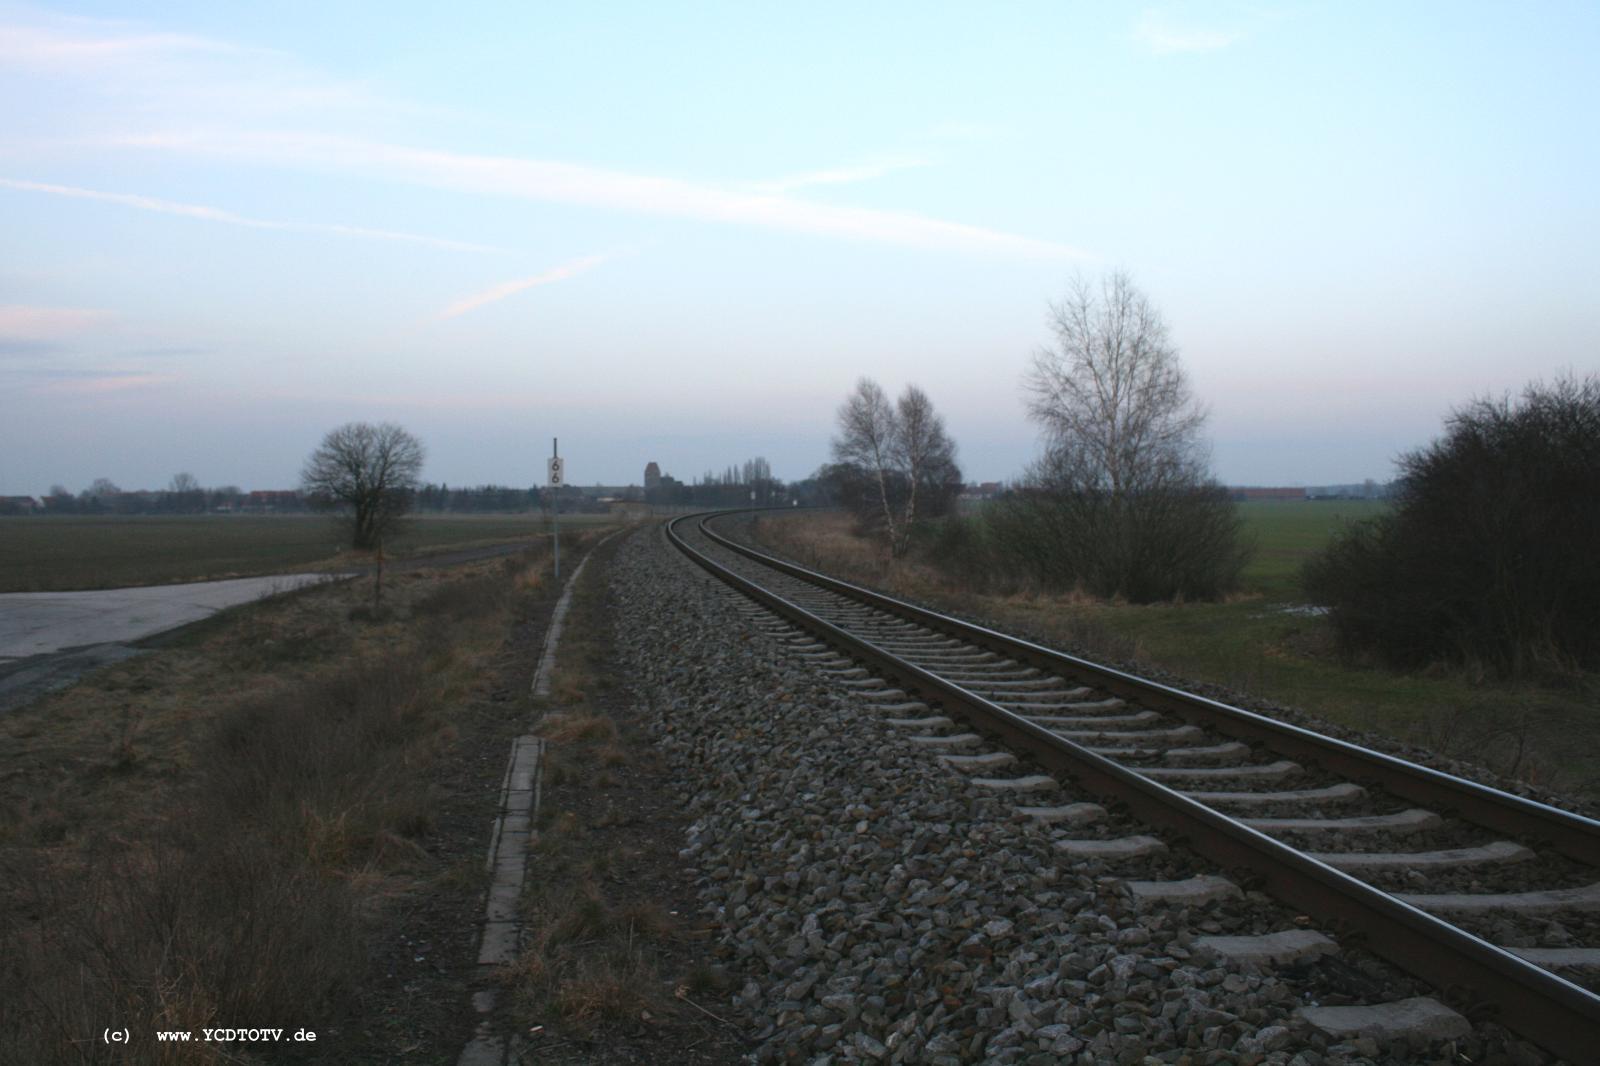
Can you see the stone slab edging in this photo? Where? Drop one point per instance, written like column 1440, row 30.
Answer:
column 514, row 832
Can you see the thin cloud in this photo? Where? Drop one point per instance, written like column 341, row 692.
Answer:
column 213, row 214
column 79, row 381
column 1162, row 36
column 99, row 383
column 41, row 46
column 24, row 323
column 511, row 288
column 842, row 175
column 197, row 96
column 571, row 183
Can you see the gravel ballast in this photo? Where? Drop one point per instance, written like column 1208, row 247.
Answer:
column 878, row 905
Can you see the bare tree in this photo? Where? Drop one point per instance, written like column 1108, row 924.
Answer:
column 185, row 494
column 924, row 452
column 868, row 429
column 366, row 474
column 903, row 451
column 1121, row 502
column 1111, row 395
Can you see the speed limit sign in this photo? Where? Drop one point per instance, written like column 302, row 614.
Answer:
column 556, row 471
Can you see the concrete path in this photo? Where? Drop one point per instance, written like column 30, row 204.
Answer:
column 38, row 623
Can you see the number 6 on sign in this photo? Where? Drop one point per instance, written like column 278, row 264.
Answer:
column 555, row 471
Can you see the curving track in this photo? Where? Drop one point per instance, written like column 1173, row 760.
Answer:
column 1335, row 830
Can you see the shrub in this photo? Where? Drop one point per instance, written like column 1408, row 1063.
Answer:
column 1489, row 557
column 1180, row 542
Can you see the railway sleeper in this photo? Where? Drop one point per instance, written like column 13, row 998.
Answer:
column 1028, row 783
column 1189, row 892
column 1033, row 684
column 958, row 741
column 989, row 760
column 1069, row 700
column 1109, row 850
column 1269, row 949
column 1259, row 771
column 1052, row 720
column 1414, row 820
column 1344, row 792
column 1070, row 813
column 1000, row 675
column 1584, row 900
column 1501, row 851
column 1183, row 732
column 1277, row 949
column 1560, row 958
column 1210, row 754
column 1420, row 1018
column 938, row 721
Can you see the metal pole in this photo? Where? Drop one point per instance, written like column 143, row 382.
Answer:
column 555, row 510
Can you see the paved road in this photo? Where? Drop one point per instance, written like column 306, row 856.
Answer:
column 50, row 639
column 37, row 623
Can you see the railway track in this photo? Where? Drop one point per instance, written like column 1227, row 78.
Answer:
column 1452, row 881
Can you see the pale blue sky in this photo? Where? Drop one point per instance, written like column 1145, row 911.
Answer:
column 679, row 232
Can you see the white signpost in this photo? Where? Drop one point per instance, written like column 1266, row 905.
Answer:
column 557, row 477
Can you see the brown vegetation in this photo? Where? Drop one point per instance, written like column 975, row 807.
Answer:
column 611, row 958
column 203, row 836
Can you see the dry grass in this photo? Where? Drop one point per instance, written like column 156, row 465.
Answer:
column 591, row 959
column 570, row 726
column 828, row 541
column 197, row 837
column 594, row 957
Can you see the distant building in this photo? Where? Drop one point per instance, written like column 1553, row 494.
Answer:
column 984, row 490
column 652, row 476
column 1250, row 492
column 18, row 505
column 272, row 500
column 1366, row 490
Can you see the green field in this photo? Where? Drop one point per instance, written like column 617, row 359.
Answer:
column 1286, row 533
column 51, row 554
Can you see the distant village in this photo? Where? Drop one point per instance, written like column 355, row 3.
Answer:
column 747, row 484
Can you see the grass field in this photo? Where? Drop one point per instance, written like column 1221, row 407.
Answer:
column 1262, row 643
column 53, row 554
column 1287, row 533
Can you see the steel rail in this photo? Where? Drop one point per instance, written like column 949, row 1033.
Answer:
column 1571, row 834
column 1539, row 1005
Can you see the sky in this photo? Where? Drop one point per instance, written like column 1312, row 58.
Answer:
column 681, row 232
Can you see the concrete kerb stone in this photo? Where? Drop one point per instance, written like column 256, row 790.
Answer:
column 558, row 619
column 508, row 850
column 509, row 840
